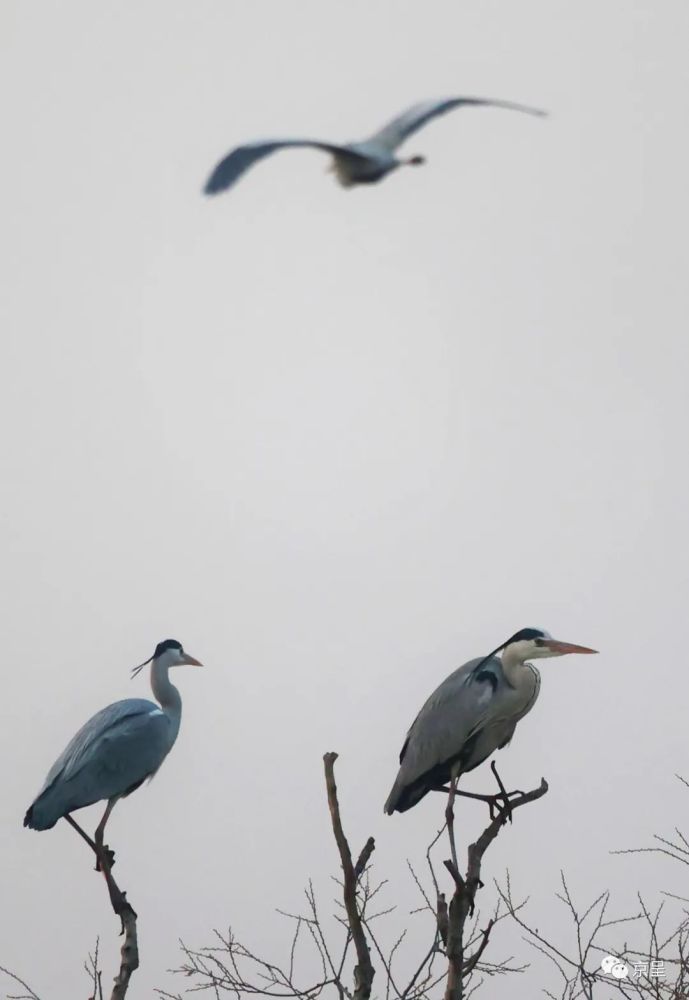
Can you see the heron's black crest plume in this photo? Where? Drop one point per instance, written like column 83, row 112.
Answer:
column 526, row 633
column 520, row 636
column 137, row 670
column 161, row 648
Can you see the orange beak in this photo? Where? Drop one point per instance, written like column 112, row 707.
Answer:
column 192, row 661
column 566, row 647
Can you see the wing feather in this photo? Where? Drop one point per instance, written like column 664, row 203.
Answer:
column 455, row 712
column 110, row 756
column 122, row 758
column 241, row 159
column 395, row 132
column 81, row 745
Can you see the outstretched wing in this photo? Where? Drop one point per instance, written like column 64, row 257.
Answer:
column 231, row 168
column 455, row 712
column 396, row 131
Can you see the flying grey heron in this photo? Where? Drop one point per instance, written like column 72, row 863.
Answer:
column 115, row 751
column 470, row 715
column 356, row 162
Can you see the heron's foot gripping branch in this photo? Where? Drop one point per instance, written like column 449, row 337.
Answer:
column 500, row 804
column 462, row 903
column 104, row 855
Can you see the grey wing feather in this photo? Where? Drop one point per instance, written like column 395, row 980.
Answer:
column 124, row 756
column 80, row 748
column 109, row 757
column 457, row 709
column 395, row 132
column 116, row 749
column 231, row 168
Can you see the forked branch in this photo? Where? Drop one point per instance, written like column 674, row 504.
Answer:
column 466, row 886
column 363, row 970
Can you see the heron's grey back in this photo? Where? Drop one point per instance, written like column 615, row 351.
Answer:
column 450, row 716
column 112, row 754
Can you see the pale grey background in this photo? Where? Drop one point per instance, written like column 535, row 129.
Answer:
column 336, row 442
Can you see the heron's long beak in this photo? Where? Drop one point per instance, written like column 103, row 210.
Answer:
column 560, row 648
column 191, row 660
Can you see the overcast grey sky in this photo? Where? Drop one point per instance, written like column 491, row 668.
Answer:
column 336, row 442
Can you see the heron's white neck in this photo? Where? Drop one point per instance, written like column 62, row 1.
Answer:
column 514, row 665
column 166, row 692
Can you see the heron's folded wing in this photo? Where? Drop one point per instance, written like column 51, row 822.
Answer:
column 126, row 753
column 457, row 709
column 81, row 746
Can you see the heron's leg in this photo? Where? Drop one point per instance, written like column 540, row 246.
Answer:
column 502, row 788
column 110, row 855
column 488, row 799
column 503, row 796
column 499, row 802
column 73, row 823
column 102, row 850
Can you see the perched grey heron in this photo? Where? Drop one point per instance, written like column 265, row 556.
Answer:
column 355, row 162
column 115, row 751
column 470, row 715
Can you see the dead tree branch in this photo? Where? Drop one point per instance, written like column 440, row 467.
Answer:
column 677, row 849
column 462, row 903
column 129, row 952
column 360, row 920
column 654, row 970
column 363, row 970
column 92, row 970
column 29, row 995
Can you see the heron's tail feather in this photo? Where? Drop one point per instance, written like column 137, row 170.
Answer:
column 42, row 814
column 403, row 797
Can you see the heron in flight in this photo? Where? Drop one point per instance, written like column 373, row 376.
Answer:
column 115, row 751
column 355, row 162
column 470, row 715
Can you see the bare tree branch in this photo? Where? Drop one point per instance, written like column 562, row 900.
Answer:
column 92, row 969
column 129, row 952
column 363, row 970
column 361, row 919
column 364, row 858
column 29, row 995
column 462, row 902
